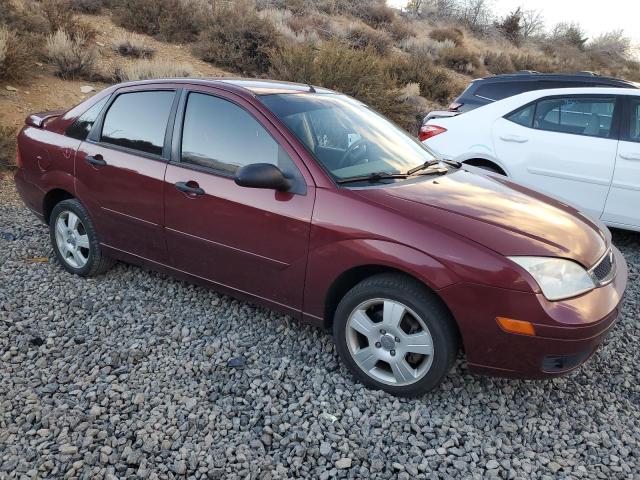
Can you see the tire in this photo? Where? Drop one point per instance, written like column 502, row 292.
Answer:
column 397, row 309
column 75, row 241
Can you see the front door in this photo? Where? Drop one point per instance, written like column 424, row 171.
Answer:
column 120, row 172
column 564, row 147
column 248, row 240
column 624, row 197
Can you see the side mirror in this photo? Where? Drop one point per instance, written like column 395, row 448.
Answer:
column 262, row 175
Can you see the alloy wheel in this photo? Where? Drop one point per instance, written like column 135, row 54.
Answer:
column 72, row 239
column 389, row 341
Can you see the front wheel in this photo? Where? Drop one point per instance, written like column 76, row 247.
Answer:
column 75, row 241
column 395, row 335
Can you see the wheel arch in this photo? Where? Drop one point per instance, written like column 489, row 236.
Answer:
column 351, row 277
column 51, row 199
column 485, row 162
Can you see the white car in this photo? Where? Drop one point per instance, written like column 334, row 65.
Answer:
column 581, row 145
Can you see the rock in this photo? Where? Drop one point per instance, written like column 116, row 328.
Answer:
column 343, row 463
column 325, row 448
column 68, row 449
column 492, row 465
column 11, row 89
column 237, row 362
column 180, row 467
column 87, row 89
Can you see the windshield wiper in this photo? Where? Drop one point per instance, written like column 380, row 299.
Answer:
column 433, row 163
column 372, row 177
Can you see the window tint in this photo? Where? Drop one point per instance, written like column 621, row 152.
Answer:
column 82, row 126
column 634, row 125
column 220, row 135
column 138, row 120
column 500, row 90
column 581, row 116
column 524, row 116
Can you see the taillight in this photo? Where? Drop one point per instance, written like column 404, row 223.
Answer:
column 428, row 131
column 454, row 106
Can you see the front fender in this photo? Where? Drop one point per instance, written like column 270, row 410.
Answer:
column 327, row 262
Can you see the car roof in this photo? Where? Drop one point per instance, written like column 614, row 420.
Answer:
column 575, row 91
column 239, row 85
column 526, row 75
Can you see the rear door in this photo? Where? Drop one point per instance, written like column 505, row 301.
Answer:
column 563, row 146
column 120, row 170
column 624, row 198
column 246, row 239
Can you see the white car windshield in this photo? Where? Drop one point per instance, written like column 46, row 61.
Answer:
column 348, row 138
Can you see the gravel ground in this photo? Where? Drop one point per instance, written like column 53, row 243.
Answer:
column 135, row 374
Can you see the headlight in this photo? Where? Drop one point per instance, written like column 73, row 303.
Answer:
column 558, row 278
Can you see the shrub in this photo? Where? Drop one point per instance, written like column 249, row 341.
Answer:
column 87, row 6
column 59, row 15
column 132, row 45
column 425, row 47
column 7, row 146
column 375, row 13
column 15, row 55
column 171, row 20
column 149, row 69
column 238, row 39
column 453, row 34
column 528, row 61
column 460, row 59
column 359, row 73
column 73, row 58
column 436, row 83
column 498, row 63
column 400, row 29
column 360, row 35
column 317, row 24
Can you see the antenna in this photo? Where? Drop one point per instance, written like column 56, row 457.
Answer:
column 311, row 89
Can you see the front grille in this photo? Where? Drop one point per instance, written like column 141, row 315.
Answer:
column 603, row 270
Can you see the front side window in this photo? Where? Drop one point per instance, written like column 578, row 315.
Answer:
column 580, row 116
column 82, row 126
column 634, row 125
column 138, row 121
column 220, row 135
column 345, row 136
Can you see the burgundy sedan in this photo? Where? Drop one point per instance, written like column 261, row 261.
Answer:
column 307, row 201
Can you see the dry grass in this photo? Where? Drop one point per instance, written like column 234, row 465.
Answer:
column 453, row 34
column 462, row 60
column 361, row 35
column 150, row 69
column 72, row 57
column 130, row 44
column 7, row 146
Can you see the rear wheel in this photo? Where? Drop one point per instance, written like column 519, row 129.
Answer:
column 395, row 335
column 74, row 240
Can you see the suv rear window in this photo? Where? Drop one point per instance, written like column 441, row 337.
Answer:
column 138, row 121
column 500, row 90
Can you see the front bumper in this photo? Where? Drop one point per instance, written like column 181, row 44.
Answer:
column 568, row 332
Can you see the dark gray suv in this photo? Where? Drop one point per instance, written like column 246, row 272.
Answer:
column 490, row 89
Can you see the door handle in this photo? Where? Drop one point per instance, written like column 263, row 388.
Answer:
column 514, row 138
column 96, row 160
column 193, row 189
column 629, row 156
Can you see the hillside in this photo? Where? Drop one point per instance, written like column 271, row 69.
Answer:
column 402, row 63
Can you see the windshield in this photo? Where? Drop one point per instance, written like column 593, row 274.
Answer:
column 345, row 136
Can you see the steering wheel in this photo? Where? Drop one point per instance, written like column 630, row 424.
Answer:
column 345, row 161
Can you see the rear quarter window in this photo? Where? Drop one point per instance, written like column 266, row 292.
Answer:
column 82, row 126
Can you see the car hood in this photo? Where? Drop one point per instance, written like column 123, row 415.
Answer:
column 501, row 215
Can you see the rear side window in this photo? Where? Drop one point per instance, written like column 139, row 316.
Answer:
column 219, row 134
column 138, row 121
column 634, row 125
column 580, row 116
column 82, row 126
column 523, row 116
